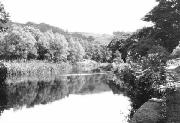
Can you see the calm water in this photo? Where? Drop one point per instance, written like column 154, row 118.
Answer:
column 63, row 99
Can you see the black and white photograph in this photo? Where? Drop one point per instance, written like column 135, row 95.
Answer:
column 89, row 61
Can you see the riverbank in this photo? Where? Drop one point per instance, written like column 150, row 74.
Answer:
column 166, row 111
column 35, row 67
column 45, row 70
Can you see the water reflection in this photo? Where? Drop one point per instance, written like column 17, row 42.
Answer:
column 91, row 108
column 90, row 99
column 28, row 92
column 3, row 98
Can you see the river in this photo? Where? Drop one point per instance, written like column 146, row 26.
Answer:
column 77, row 98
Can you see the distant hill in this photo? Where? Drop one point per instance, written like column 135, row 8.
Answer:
column 43, row 27
column 122, row 35
column 103, row 39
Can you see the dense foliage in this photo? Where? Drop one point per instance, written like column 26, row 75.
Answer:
column 4, row 18
column 28, row 42
column 165, row 32
column 142, row 80
column 166, row 19
column 118, row 45
column 99, row 53
column 46, row 42
column 147, row 51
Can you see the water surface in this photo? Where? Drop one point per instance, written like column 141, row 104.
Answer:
column 67, row 99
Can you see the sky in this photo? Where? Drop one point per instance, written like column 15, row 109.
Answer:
column 95, row 16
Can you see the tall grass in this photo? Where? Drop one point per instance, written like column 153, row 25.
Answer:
column 36, row 69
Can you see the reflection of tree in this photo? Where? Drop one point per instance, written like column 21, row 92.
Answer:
column 3, row 99
column 75, row 83
column 94, row 84
column 31, row 93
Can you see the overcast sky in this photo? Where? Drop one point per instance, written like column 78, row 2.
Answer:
column 97, row 16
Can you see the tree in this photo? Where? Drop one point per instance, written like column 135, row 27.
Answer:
column 139, row 43
column 166, row 19
column 165, row 32
column 119, row 45
column 60, row 46
column 41, row 42
column 98, row 53
column 34, row 31
column 4, row 18
column 76, row 51
column 57, row 46
column 18, row 43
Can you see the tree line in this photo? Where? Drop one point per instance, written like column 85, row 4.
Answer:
column 45, row 42
column 27, row 41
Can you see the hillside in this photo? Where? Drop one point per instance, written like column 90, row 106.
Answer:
column 103, row 39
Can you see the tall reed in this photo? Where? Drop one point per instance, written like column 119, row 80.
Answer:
column 36, row 69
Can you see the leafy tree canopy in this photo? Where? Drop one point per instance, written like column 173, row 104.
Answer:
column 166, row 19
column 165, row 32
column 4, row 18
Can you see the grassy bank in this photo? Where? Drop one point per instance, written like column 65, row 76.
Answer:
column 36, row 68
column 43, row 70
